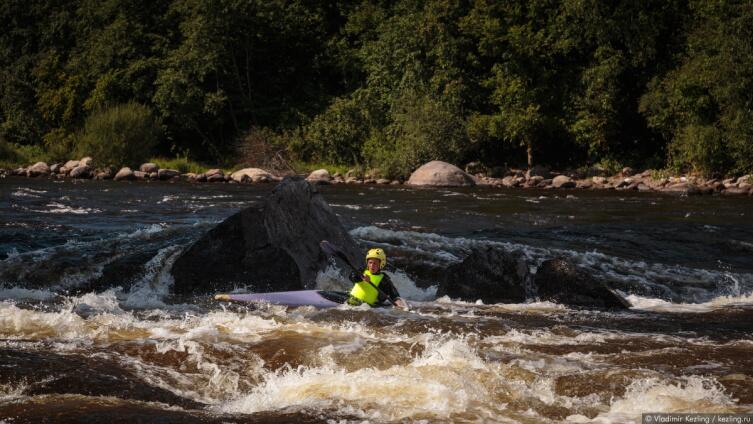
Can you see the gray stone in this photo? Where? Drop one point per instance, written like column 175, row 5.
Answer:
column 125, row 174
column 153, row 175
column 382, row 181
column 38, row 169
column 319, row 176
column 438, row 173
column 563, row 181
column 557, row 280
column 489, row 274
column 252, row 175
column 140, row 175
column 71, row 164
column 148, row 168
column 55, row 168
column 271, row 247
column 166, row 174
column 81, row 171
column 682, row 188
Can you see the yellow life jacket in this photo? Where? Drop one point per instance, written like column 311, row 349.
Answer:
column 363, row 290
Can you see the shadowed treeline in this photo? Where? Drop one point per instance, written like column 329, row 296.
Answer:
column 381, row 84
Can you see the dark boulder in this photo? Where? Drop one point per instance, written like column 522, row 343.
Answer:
column 497, row 276
column 491, row 275
column 269, row 247
column 559, row 281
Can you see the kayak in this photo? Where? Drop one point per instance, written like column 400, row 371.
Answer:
column 316, row 298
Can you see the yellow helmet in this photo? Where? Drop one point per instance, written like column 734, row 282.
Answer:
column 377, row 254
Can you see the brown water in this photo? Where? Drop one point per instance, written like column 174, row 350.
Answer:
column 79, row 344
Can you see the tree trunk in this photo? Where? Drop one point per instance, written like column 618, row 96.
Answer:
column 529, row 151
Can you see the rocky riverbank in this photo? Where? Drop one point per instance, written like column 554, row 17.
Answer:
column 434, row 173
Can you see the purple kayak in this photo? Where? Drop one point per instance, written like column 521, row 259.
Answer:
column 315, row 298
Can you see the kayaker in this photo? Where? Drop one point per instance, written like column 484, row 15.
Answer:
column 381, row 288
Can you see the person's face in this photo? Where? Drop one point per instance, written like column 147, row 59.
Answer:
column 373, row 265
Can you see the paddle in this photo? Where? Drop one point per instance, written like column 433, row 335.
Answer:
column 331, row 250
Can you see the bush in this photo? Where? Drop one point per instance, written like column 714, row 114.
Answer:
column 699, row 149
column 423, row 129
column 336, row 136
column 119, row 135
column 13, row 155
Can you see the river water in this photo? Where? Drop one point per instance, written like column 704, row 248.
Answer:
column 85, row 338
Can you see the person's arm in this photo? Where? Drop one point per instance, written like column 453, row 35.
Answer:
column 391, row 291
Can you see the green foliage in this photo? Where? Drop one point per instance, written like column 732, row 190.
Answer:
column 14, row 155
column 423, row 129
column 336, row 135
column 119, row 135
column 181, row 163
column 391, row 84
column 703, row 105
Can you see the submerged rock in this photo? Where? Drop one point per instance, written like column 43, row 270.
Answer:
column 269, row 247
column 559, row 281
column 438, row 173
column 491, row 275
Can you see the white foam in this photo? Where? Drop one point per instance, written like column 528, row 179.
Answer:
column 156, row 281
column 59, row 208
column 659, row 305
column 447, row 378
column 20, row 293
column 684, row 395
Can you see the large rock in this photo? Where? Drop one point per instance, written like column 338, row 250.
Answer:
column 214, row 176
column 320, row 176
column 71, row 164
column 125, row 174
column 166, row 174
column 438, row 173
column 269, row 247
column 252, row 175
column 81, row 171
column 148, row 168
column 497, row 276
column 38, row 169
column 563, row 181
column 87, row 161
column 559, row 281
column 491, row 275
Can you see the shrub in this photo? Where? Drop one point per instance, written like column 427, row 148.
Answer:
column 699, row 149
column 423, row 129
column 119, row 135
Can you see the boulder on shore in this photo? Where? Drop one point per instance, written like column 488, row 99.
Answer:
column 320, row 176
column 252, row 175
column 149, row 167
column 441, row 174
column 125, row 174
column 81, row 171
column 563, row 181
column 166, row 174
column 38, row 169
column 273, row 246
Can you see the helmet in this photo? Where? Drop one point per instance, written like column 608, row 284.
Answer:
column 377, row 254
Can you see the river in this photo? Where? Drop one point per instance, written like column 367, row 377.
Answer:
column 82, row 340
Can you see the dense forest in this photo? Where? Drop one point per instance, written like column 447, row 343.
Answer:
column 381, row 84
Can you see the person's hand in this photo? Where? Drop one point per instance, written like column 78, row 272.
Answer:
column 366, row 278
column 400, row 303
column 355, row 277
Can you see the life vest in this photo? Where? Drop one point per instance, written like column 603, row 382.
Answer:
column 363, row 290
